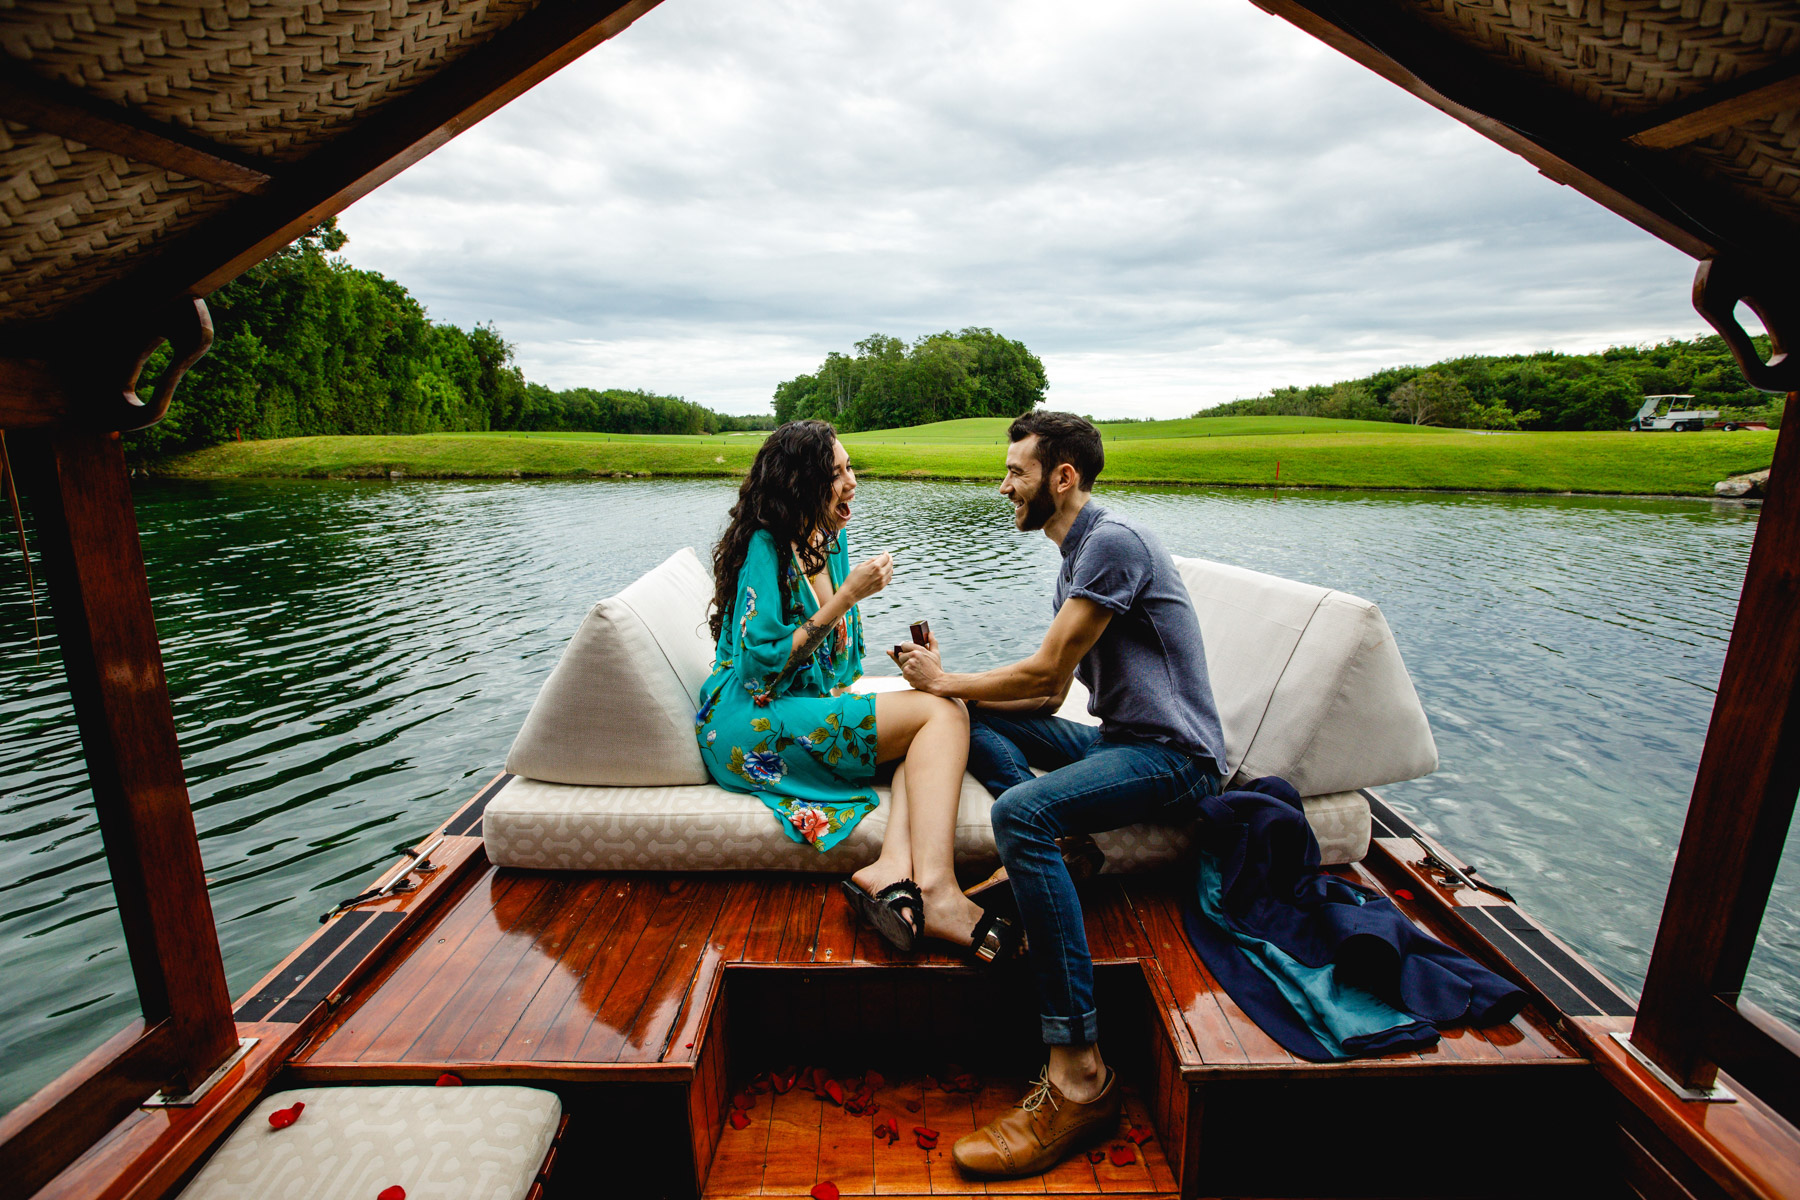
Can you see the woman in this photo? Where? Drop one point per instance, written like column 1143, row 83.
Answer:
column 778, row 719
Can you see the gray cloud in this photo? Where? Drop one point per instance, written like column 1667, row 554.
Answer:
column 1173, row 203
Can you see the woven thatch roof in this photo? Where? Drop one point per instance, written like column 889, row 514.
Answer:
column 1632, row 61
column 268, row 81
column 162, row 141
column 152, row 148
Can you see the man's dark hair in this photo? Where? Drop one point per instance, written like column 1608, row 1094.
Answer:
column 1063, row 438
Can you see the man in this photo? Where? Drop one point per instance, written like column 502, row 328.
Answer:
column 1125, row 625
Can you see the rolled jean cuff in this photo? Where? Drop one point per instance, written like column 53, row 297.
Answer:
column 1072, row 1031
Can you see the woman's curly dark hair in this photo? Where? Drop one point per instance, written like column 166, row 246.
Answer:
column 786, row 492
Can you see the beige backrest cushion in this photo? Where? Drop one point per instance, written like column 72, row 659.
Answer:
column 619, row 707
column 1309, row 683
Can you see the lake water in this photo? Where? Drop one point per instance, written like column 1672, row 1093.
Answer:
column 349, row 661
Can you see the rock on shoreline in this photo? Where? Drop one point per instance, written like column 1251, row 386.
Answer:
column 1744, row 487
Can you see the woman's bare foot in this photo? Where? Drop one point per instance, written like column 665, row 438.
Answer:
column 950, row 915
column 880, row 874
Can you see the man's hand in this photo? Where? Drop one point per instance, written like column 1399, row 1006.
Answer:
column 1042, row 676
column 922, row 666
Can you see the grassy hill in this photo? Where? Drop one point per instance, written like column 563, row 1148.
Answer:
column 1255, row 451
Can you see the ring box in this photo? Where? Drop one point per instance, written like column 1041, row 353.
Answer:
column 921, row 633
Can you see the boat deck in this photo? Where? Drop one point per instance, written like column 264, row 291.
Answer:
column 609, row 975
column 677, row 991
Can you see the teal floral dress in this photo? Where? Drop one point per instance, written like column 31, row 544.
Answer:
column 798, row 739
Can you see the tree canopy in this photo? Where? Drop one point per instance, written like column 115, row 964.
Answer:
column 304, row 343
column 887, row 384
column 1545, row 390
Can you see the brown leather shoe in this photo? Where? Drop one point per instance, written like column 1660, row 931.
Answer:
column 1042, row 1130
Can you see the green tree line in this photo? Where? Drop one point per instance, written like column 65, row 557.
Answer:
column 887, row 384
column 304, row 344
column 1546, row 390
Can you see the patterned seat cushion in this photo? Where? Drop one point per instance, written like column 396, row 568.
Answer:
column 450, row 1143
column 565, row 827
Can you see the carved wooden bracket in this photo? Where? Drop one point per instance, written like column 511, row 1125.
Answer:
column 108, row 397
column 1719, row 285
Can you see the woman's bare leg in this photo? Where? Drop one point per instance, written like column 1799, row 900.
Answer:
column 933, row 735
column 896, row 861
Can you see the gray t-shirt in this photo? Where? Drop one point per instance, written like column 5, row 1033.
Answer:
column 1147, row 673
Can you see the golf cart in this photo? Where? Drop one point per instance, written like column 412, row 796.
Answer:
column 1671, row 412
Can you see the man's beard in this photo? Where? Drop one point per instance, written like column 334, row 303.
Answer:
column 1038, row 511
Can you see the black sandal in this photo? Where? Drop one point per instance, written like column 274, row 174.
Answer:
column 884, row 911
column 995, row 940
column 995, row 895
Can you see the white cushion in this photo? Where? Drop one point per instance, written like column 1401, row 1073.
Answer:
column 447, row 1143
column 562, row 827
column 1309, row 683
column 619, row 707
column 704, row 827
column 556, row 827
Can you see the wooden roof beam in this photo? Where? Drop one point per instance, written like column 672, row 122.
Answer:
column 374, row 150
column 1748, row 98
column 55, row 107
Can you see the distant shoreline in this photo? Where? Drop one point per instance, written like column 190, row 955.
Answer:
column 1313, row 456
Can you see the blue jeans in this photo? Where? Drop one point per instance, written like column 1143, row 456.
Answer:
column 1095, row 783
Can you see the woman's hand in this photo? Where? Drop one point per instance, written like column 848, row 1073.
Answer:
column 867, row 578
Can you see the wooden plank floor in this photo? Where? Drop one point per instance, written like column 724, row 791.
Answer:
column 615, row 973
column 796, row 1140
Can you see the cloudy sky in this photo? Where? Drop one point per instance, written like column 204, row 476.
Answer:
column 1173, row 202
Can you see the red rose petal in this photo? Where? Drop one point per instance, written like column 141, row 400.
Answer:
column 784, row 1081
column 931, row 1083
column 874, row 1079
column 820, row 1077
column 391, row 1193
column 835, row 1090
column 448, row 1080
column 1095, row 1156
column 824, row 1191
column 926, row 1143
column 1402, row 894
column 739, row 1118
column 912, row 1106
column 281, row 1118
column 964, row 1083
column 1123, row 1154
column 893, row 1128
column 923, row 1131
column 1140, row 1134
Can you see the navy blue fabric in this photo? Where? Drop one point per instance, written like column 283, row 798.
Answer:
column 1274, row 890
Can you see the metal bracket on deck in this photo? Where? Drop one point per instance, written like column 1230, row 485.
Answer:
column 188, row 1100
column 1718, row 1093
